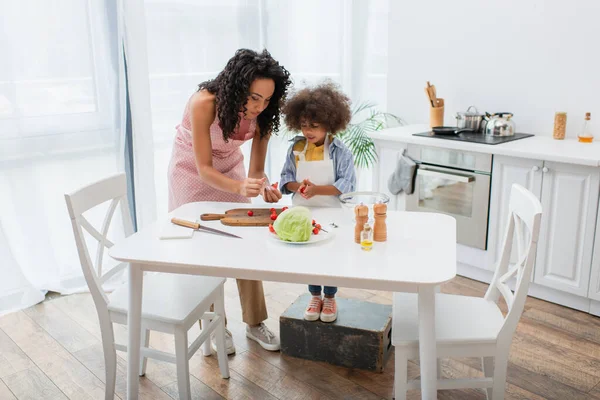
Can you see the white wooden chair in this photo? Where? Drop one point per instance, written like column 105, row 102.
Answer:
column 474, row 326
column 171, row 303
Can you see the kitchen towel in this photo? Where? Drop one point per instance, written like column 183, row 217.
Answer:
column 402, row 179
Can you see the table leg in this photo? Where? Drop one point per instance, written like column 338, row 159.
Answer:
column 134, row 328
column 427, row 345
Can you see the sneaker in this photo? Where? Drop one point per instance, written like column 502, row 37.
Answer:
column 229, row 346
column 329, row 313
column 263, row 336
column 313, row 310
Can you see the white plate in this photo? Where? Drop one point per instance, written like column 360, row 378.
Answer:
column 321, row 237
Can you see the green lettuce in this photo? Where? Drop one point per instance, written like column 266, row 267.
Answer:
column 294, row 224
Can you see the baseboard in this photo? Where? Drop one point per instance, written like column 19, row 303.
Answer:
column 595, row 308
column 535, row 290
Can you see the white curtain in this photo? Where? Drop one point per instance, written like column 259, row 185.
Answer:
column 61, row 127
column 190, row 41
column 63, row 102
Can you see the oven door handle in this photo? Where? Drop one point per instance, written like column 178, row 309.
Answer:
column 445, row 175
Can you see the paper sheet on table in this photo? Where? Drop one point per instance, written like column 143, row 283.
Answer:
column 171, row 231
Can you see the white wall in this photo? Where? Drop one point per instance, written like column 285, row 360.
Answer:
column 528, row 57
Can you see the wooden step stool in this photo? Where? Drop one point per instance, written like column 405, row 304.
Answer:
column 359, row 338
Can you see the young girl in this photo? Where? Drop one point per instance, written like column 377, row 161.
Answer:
column 319, row 167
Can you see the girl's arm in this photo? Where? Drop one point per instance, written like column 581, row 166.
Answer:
column 287, row 181
column 202, row 110
column 345, row 176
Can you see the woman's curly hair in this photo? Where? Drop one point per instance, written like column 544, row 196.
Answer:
column 324, row 104
column 231, row 88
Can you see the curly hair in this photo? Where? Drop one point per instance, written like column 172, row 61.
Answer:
column 231, row 88
column 324, row 104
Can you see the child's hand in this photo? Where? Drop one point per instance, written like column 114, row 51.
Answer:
column 307, row 189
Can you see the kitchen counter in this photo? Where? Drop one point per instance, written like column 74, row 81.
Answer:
column 535, row 147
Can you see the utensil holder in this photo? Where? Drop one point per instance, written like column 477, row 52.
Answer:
column 436, row 114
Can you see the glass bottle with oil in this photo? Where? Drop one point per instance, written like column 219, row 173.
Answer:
column 366, row 238
column 586, row 135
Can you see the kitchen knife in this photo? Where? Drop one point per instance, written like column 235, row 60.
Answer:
column 197, row 226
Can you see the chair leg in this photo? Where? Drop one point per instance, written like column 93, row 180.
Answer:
column 220, row 335
column 110, row 362
column 145, row 341
column 183, row 366
column 400, row 374
column 206, row 349
column 488, row 370
column 500, row 366
column 439, row 368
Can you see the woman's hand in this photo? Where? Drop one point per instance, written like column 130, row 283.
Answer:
column 251, row 187
column 271, row 194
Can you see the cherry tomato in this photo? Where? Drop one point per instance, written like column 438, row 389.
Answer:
column 250, row 213
column 318, row 226
column 271, row 229
column 275, row 185
column 302, row 189
column 272, row 210
column 273, row 217
column 316, row 231
column 313, row 222
column 284, row 208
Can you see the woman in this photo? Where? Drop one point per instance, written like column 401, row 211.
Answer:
column 242, row 103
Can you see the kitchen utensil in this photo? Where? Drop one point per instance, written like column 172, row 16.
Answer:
column 240, row 217
column 449, row 130
column 197, row 226
column 499, row 124
column 469, row 119
column 321, row 237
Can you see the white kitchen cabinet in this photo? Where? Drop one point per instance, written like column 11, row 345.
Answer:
column 569, row 203
column 505, row 172
column 388, row 159
column 569, row 197
column 594, row 287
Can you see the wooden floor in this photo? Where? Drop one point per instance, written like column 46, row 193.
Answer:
column 53, row 351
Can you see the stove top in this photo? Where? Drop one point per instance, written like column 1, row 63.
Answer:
column 476, row 137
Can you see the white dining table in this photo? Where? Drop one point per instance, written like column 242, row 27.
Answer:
column 418, row 256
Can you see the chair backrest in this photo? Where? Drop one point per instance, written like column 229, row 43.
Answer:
column 113, row 189
column 524, row 218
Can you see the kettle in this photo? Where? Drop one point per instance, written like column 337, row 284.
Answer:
column 499, row 124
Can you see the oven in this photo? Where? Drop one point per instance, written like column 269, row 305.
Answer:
column 456, row 183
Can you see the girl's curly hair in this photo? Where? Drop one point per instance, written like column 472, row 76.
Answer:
column 324, row 104
column 231, row 88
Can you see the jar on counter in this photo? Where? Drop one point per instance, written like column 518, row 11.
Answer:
column 560, row 125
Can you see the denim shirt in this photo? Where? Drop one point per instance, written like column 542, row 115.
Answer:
column 343, row 165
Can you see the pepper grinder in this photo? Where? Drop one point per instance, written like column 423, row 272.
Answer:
column 361, row 214
column 380, row 227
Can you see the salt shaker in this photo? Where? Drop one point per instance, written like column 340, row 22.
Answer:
column 361, row 215
column 380, row 227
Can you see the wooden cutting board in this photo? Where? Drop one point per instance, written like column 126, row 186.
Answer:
column 240, row 217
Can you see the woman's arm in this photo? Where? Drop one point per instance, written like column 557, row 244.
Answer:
column 202, row 110
column 258, row 154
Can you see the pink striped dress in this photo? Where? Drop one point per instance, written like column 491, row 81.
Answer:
column 185, row 185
